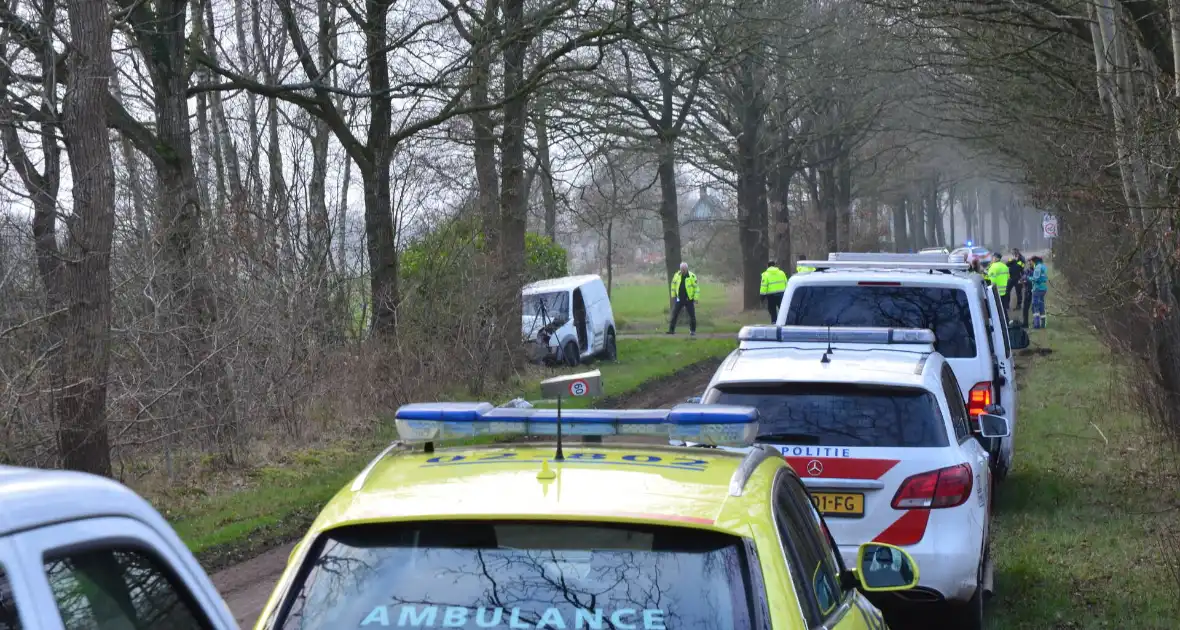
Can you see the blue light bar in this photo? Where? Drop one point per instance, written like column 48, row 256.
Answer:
column 719, row 425
column 820, row 334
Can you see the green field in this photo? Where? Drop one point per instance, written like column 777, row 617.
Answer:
column 1086, row 523
column 642, row 307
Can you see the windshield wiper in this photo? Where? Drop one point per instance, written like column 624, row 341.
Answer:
column 795, row 438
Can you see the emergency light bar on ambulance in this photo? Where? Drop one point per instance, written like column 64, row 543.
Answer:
column 821, row 334
column 717, row 425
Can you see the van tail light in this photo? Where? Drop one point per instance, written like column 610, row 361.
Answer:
column 978, row 400
column 943, row 488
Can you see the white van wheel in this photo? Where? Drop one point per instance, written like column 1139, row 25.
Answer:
column 610, row 348
column 570, row 354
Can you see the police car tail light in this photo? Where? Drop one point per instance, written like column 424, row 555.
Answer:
column 978, row 400
column 943, row 488
column 718, row 425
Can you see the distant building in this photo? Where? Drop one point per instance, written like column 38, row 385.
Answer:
column 706, row 208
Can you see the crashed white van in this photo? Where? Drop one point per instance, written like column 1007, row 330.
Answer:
column 567, row 320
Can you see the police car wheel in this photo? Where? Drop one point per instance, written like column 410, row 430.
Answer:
column 570, row 354
column 969, row 615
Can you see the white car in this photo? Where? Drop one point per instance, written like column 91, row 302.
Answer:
column 873, row 422
column 568, row 320
column 81, row 551
column 922, row 291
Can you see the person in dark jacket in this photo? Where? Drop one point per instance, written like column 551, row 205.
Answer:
column 1017, row 271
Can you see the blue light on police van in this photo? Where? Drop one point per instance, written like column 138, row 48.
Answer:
column 721, row 425
column 823, row 334
column 969, row 243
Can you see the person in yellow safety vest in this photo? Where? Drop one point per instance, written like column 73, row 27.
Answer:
column 685, row 292
column 800, row 267
column 997, row 274
column 774, row 284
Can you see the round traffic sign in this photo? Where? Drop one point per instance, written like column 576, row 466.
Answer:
column 579, row 388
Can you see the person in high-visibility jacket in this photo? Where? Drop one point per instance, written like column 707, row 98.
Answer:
column 800, row 267
column 997, row 273
column 774, row 284
column 685, row 292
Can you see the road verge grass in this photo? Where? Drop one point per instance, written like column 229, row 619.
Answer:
column 642, row 307
column 1082, row 522
column 237, row 516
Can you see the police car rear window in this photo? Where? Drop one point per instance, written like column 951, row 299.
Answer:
column 522, row 575
column 840, row 414
column 946, row 311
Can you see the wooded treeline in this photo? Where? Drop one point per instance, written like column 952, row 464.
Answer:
column 207, row 202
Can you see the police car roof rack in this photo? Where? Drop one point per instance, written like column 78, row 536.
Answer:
column 755, row 456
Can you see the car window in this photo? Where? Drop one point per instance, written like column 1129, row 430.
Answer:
column 9, row 619
column 813, row 569
column 840, row 414
column 466, row 574
column 945, row 311
column 120, row 589
column 954, row 400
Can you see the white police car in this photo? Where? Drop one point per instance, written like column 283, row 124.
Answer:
column 922, row 291
column 80, row 551
column 873, row 422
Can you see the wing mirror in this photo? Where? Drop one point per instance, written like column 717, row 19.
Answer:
column 1018, row 337
column 882, row 568
column 993, row 426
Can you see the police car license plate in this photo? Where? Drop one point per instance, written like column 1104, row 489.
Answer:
column 839, row 503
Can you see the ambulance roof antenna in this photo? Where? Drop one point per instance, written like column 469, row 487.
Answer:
column 559, row 457
column 826, row 358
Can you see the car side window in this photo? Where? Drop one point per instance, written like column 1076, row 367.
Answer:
column 813, row 568
column 987, row 303
column 120, row 588
column 954, row 399
column 9, row 619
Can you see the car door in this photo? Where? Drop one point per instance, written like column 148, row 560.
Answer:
column 815, row 564
column 972, row 446
column 1006, row 362
column 13, row 595
column 116, row 572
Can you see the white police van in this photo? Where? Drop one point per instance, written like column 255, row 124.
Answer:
column 932, row 291
column 81, row 551
column 873, row 422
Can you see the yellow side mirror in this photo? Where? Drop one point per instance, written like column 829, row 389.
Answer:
column 881, row 568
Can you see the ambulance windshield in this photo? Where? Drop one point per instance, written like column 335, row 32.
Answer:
column 521, row 574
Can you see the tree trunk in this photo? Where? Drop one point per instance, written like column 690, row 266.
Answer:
column 829, row 210
column 843, row 200
column 669, row 208
column 610, row 261
column 996, row 207
column 782, row 216
column 901, row 242
column 380, row 230
column 950, row 215
column 82, row 363
column 546, row 166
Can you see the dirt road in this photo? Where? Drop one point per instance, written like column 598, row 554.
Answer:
column 246, row 586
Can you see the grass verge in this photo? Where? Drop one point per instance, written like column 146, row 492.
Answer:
column 642, row 307
column 274, row 503
column 1081, row 524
